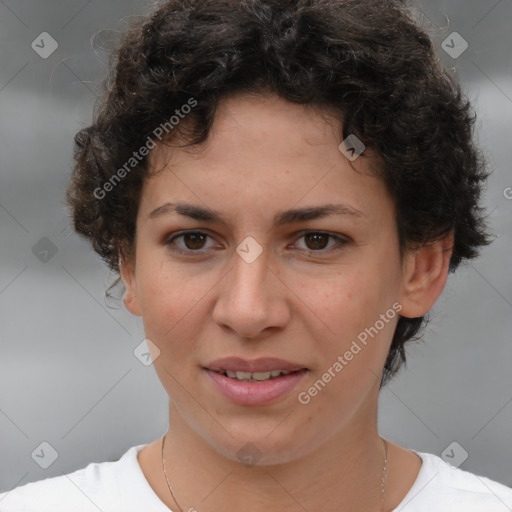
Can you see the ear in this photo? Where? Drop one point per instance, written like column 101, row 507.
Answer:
column 131, row 299
column 424, row 276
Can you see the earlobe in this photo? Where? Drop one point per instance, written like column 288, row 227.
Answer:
column 425, row 272
column 131, row 300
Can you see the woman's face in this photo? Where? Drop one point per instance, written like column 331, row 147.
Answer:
column 319, row 291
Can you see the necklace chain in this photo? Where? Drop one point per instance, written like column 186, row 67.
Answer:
column 384, row 474
column 382, row 480
column 165, row 473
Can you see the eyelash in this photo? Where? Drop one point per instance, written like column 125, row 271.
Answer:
column 340, row 242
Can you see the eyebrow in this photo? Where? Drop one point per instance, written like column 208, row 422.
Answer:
column 281, row 218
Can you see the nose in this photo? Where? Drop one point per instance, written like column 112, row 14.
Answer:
column 252, row 299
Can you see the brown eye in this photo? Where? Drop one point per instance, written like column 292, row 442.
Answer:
column 194, row 241
column 189, row 242
column 320, row 242
column 316, row 241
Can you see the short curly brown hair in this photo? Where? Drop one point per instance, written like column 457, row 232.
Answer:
column 367, row 62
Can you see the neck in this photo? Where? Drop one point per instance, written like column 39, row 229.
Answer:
column 344, row 472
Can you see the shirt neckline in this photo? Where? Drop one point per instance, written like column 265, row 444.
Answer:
column 422, row 479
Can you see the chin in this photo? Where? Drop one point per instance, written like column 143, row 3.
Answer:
column 260, row 446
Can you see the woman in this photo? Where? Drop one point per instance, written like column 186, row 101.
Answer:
column 283, row 187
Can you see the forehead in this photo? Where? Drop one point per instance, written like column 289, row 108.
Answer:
column 262, row 124
column 261, row 147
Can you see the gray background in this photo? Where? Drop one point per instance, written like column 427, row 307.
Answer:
column 68, row 373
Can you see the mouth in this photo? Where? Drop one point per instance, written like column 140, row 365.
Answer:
column 236, row 367
column 256, row 376
column 257, row 382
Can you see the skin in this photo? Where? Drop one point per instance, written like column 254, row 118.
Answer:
column 265, row 155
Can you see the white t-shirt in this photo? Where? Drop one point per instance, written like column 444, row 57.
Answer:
column 120, row 486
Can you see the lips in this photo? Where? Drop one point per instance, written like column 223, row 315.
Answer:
column 262, row 365
column 253, row 392
column 257, row 376
column 248, row 383
column 256, row 382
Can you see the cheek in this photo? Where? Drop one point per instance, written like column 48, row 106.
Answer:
column 170, row 308
column 173, row 304
column 163, row 297
column 348, row 302
column 351, row 307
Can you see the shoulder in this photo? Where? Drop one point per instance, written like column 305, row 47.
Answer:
column 99, row 486
column 441, row 485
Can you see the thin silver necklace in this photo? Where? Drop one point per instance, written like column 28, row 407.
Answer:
column 382, row 480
